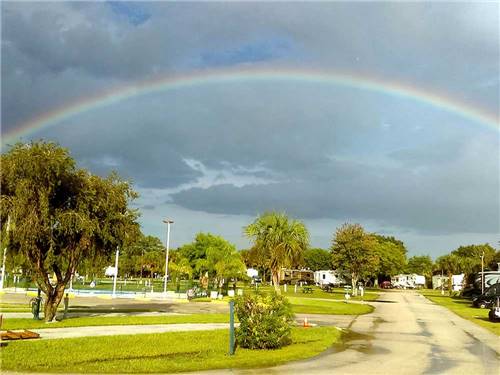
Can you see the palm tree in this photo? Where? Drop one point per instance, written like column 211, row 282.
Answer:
column 280, row 240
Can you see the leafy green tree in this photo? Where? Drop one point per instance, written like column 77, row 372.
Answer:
column 450, row 264
column 60, row 214
column 392, row 256
column 317, row 259
column 469, row 258
column 135, row 260
column 213, row 256
column 355, row 252
column 280, row 240
column 421, row 265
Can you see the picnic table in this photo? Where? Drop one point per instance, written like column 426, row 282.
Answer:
column 307, row 289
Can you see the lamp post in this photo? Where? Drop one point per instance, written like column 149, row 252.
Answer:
column 168, row 222
column 482, row 273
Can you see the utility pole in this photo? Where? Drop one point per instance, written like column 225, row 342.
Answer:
column 482, row 273
column 168, row 222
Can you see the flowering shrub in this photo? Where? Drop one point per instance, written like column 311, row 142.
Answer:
column 265, row 321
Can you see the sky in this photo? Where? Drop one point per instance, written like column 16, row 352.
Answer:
column 380, row 113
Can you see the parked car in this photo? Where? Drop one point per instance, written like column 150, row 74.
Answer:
column 386, row 285
column 489, row 297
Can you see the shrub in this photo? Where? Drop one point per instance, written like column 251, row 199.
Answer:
column 265, row 321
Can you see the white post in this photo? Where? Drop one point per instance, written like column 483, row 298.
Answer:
column 71, row 282
column 116, row 273
column 168, row 222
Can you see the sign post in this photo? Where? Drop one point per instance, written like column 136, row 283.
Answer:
column 231, row 327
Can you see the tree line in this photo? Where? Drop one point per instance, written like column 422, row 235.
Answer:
column 58, row 220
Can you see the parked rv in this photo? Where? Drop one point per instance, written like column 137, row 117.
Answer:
column 327, row 277
column 296, row 277
column 412, row 281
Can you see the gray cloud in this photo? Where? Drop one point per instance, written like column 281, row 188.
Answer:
column 320, row 152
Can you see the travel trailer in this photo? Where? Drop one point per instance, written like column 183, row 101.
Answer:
column 327, row 277
column 412, row 281
column 296, row 276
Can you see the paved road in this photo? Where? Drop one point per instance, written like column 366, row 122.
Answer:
column 407, row 334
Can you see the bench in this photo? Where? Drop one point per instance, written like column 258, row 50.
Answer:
column 307, row 289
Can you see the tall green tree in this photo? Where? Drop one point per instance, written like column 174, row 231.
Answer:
column 421, row 265
column 392, row 255
column 278, row 239
column 449, row 264
column 354, row 252
column 60, row 214
column 317, row 259
column 213, row 256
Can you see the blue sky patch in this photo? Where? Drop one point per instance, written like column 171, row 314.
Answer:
column 135, row 13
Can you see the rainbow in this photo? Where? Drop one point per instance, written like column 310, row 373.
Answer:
column 342, row 79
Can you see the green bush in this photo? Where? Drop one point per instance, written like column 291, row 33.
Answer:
column 265, row 321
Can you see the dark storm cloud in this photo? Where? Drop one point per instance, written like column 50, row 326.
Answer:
column 324, row 151
column 449, row 197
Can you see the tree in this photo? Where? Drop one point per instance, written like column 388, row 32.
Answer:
column 60, row 214
column 421, row 265
column 450, row 264
column 214, row 256
column 392, row 256
column 279, row 240
column 354, row 251
column 317, row 259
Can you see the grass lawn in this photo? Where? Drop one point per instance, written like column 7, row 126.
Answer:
column 154, row 353
column 301, row 305
column 337, row 294
column 23, row 323
column 463, row 308
column 14, row 307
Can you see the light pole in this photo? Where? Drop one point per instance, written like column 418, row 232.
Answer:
column 168, row 222
column 482, row 273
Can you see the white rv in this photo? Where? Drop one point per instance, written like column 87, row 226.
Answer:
column 327, row 277
column 408, row 281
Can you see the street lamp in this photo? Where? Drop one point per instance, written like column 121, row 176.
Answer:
column 482, row 273
column 168, row 222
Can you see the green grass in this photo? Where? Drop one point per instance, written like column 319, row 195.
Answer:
column 22, row 323
column 155, row 353
column 337, row 294
column 14, row 307
column 302, row 305
column 463, row 308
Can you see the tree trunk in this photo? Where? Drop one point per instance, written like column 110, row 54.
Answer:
column 354, row 282
column 276, row 281
column 54, row 297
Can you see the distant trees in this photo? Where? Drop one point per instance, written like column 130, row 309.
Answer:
column 214, row 257
column 60, row 215
column 355, row 252
column 279, row 240
column 317, row 259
